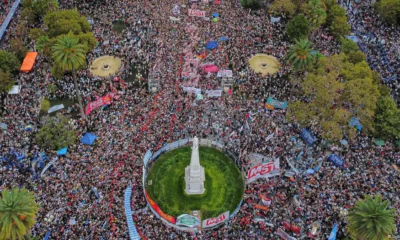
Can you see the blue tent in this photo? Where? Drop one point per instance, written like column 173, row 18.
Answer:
column 215, row 15
column 211, row 45
column 62, row 151
column 223, row 38
column 88, row 139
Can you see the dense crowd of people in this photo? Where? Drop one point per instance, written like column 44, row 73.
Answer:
column 5, row 7
column 81, row 194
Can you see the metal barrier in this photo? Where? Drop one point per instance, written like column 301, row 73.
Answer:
column 177, row 144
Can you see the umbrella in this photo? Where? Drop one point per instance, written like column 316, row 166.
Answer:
column 62, row 151
column 28, row 128
column 211, row 45
column 379, row 142
column 215, row 15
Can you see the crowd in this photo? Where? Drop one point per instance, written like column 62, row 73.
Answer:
column 5, row 7
column 380, row 42
column 81, row 195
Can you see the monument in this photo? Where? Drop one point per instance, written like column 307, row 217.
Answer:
column 194, row 173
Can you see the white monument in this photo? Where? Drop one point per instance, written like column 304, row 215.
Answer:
column 194, row 173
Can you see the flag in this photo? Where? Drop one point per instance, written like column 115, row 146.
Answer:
column 332, row 236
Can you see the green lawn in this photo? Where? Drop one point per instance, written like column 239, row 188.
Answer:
column 224, row 183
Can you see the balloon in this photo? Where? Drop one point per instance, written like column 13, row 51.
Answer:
column 215, row 19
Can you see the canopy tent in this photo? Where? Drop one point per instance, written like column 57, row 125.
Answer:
column 29, row 61
column 62, row 151
column 88, row 138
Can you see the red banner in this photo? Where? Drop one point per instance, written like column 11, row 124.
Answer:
column 98, row 103
column 154, row 205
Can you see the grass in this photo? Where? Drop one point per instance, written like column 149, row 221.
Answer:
column 223, row 184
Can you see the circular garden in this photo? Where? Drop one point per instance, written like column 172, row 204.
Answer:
column 223, row 183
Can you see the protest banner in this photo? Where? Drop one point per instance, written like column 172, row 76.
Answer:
column 336, row 160
column 265, row 170
column 284, row 235
column 225, row 73
column 55, row 108
column 187, row 220
column 307, row 136
column 210, row 222
column 277, row 104
column 196, row 13
column 155, row 207
column 265, row 208
column 214, row 93
column 98, row 103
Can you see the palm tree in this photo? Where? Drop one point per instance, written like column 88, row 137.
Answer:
column 69, row 55
column 370, row 219
column 18, row 211
column 299, row 57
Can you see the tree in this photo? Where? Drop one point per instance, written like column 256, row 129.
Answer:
column 65, row 21
column 18, row 48
column 69, row 55
column 336, row 90
column 69, row 22
column 372, row 219
column 299, row 55
column 8, row 62
column 18, row 211
column 43, row 45
column 251, row 4
column 389, row 10
column 387, row 118
column 6, row 82
column 298, row 28
column 34, row 10
column 348, row 45
column 314, row 10
column 283, row 7
column 333, row 12
column 56, row 133
column 45, row 105
column 340, row 27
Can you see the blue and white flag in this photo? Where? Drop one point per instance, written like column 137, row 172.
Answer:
column 335, row 228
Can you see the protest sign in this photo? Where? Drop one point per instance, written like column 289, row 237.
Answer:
column 98, row 103
column 196, row 13
column 265, row 170
column 210, row 222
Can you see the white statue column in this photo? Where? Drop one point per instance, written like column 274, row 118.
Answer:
column 194, row 173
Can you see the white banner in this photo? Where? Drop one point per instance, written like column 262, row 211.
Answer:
column 196, row 13
column 214, row 93
column 265, row 170
column 215, row 221
column 55, row 108
column 192, row 90
column 225, row 73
